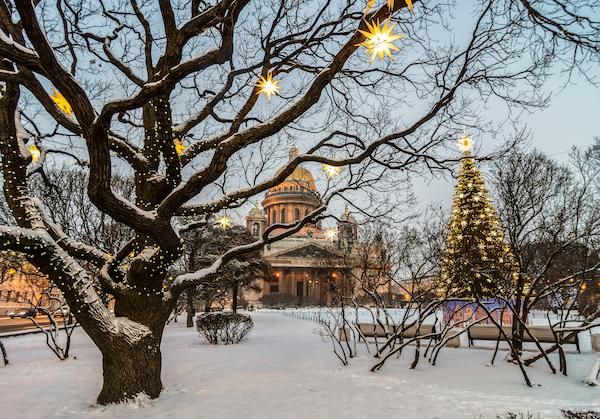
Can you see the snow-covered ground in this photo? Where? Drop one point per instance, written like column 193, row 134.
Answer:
column 286, row 370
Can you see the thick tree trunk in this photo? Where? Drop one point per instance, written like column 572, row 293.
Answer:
column 234, row 299
column 131, row 370
column 190, row 308
column 131, row 358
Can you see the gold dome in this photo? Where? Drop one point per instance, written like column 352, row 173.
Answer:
column 300, row 180
column 300, row 174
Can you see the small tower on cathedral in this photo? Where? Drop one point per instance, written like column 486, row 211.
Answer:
column 256, row 221
column 347, row 230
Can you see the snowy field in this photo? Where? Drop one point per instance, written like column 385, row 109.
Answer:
column 286, row 370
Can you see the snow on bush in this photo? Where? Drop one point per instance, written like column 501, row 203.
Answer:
column 224, row 328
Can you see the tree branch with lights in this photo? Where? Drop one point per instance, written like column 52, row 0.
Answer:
column 179, row 100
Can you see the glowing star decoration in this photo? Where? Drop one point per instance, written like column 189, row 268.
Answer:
column 35, row 152
column 268, row 86
column 331, row 234
column 224, row 222
column 331, row 171
column 60, row 101
column 179, row 147
column 380, row 39
column 465, row 144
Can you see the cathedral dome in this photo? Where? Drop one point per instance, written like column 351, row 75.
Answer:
column 293, row 199
column 300, row 180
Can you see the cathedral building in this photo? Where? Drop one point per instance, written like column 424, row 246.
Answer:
column 307, row 267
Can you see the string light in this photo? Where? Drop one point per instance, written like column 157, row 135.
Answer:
column 475, row 241
column 380, row 39
column 268, row 86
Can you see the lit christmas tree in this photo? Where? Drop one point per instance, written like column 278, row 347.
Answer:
column 477, row 262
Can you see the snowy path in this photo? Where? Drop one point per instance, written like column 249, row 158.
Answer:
column 285, row 370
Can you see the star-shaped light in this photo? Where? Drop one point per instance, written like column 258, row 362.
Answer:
column 268, row 86
column 331, row 234
column 179, row 147
column 60, row 101
column 224, row 222
column 380, row 39
column 35, row 152
column 331, row 171
column 465, row 144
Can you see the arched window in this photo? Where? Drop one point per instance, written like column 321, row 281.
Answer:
column 274, row 217
column 283, row 215
column 255, row 229
column 297, row 214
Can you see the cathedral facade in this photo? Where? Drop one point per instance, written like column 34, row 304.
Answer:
column 308, row 268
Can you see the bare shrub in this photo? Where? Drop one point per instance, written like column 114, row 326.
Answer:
column 224, row 328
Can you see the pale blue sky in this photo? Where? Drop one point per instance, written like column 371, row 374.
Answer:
column 572, row 119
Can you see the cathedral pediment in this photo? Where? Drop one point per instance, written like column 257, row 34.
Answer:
column 307, row 251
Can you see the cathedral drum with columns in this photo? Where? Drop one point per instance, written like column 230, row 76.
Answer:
column 306, row 266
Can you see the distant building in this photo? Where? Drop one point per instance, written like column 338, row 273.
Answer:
column 307, row 266
column 22, row 286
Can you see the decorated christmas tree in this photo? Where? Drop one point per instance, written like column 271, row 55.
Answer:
column 477, row 262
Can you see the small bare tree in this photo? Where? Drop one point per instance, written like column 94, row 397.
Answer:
column 552, row 217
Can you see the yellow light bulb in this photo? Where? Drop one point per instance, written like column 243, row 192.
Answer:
column 61, row 102
column 179, row 147
column 35, row 152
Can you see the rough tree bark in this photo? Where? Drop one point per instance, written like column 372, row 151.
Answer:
column 234, row 298
column 190, row 310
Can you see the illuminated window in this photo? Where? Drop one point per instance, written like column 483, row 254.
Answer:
column 255, row 229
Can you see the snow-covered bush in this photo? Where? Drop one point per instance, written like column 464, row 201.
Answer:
column 224, row 328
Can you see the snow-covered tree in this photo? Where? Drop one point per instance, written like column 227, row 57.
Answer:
column 195, row 101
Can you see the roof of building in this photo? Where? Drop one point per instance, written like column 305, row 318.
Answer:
column 300, row 180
